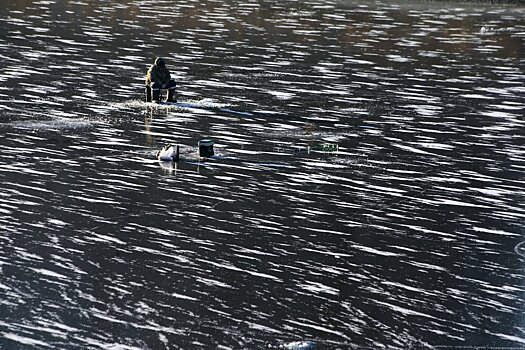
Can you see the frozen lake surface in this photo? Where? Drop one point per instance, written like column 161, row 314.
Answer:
column 408, row 237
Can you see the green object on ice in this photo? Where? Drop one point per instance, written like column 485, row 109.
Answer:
column 326, row 147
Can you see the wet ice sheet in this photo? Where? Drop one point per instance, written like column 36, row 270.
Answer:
column 408, row 235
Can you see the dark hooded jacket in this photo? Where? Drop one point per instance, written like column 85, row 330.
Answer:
column 158, row 73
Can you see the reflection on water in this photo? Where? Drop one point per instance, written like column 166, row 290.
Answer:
column 408, row 236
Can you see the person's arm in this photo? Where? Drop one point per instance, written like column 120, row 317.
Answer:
column 155, row 76
column 166, row 77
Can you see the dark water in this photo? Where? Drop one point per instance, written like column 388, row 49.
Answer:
column 408, row 237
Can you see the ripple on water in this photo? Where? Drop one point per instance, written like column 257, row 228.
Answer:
column 272, row 243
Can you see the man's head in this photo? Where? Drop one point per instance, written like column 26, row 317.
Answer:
column 159, row 61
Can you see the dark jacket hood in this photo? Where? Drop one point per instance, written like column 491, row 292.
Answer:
column 159, row 62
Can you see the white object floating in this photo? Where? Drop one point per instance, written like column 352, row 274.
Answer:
column 168, row 153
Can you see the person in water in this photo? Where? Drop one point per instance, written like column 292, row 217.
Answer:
column 157, row 78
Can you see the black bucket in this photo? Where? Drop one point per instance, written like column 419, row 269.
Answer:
column 206, row 148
